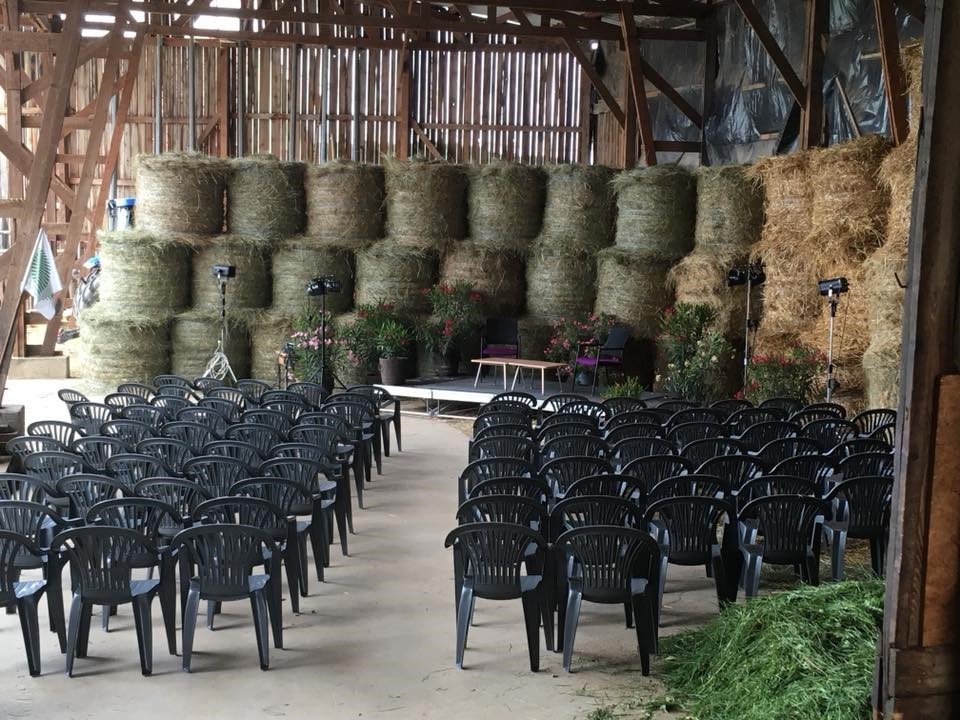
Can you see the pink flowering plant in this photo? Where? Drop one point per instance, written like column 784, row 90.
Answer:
column 695, row 354
column 307, row 340
column 793, row 373
column 569, row 333
column 455, row 312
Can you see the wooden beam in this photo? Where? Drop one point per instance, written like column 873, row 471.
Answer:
column 635, row 66
column 223, row 101
column 35, row 90
column 11, row 207
column 629, row 145
column 769, row 42
column 668, row 91
column 680, row 146
column 403, row 104
column 14, row 95
column 41, row 172
column 587, row 66
column 893, row 78
column 20, row 41
column 811, row 114
column 914, row 7
column 23, row 159
column 428, row 143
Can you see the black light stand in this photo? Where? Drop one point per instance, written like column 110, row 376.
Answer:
column 320, row 287
column 219, row 364
column 831, row 289
column 750, row 275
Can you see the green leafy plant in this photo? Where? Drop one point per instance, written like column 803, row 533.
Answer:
column 628, row 387
column 695, row 354
column 455, row 312
column 570, row 333
column 790, row 374
column 308, row 339
column 392, row 339
column 358, row 340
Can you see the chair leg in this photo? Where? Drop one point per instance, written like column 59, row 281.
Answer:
column 340, row 515
column 646, row 627
column 190, row 623
column 291, row 564
column 751, row 580
column 358, row 474
column 396, row 428
column 628, row 615
column 385, row 437
column 54, row 594
column 348, row 500
column 837, row 548
column 258, row 604
column 73, row 632
column 574, row 599
column 30, row 625
column 463, row 620
column 377, row 450
column 531, row 618
column 211, row 613
column 720, row 580
column 318, row 543
column 142, row 619
column 662, row 580
column 275, row 598
column 301, row 540
column 812, row 566
column 458, row 572
column 83, row 641
column 168, row 601
column 546, row 615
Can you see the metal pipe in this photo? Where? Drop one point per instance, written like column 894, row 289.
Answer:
column 192, row 95
column 294, row 101
column 241, row 96
column 112, row 192
column 354, row 107
column 157, row 104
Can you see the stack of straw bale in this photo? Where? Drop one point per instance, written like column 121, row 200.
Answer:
column 180, row 193
column 344, row 204
column 265, row 198
column 426, row 203
column 505, row 202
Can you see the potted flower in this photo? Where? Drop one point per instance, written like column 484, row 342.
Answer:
column 392, row 342
column 695, row 354
column 357, row 340
column 792, row 373
column 569, row 334
column 455, row 313
column 314, row 345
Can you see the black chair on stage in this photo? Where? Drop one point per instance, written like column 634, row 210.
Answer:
column 501, row 338
column 605, row 356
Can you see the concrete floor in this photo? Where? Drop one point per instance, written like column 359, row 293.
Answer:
column 375, row 640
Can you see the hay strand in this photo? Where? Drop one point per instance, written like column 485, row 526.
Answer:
column 426, row 202
column 119, row 346
column 579, row 209
column 656, row 211
column 250, row 288
column 265, row 198
column 193, row 340
column 729, row 208
column 559, row 284
column 180, row 193
column 701, row 278
column 495, row 274
column 911, row 58
column 633, row 288
column 298, row 260
column 881, row 369
column 144, row 272
column 505, row 202
column 395, row 273
column 344, row 203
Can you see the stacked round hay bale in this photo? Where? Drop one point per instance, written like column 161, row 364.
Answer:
column 849, row 214
column 344, row 204
column 506, row 206
column 265, row 198
column 126, row 336
column 298, row 260
column 250, row 289
column 655, row 224
column 268, row 332
column 498, row 275
column 729, row 215
column 180, row 193
column 426, row 203
column 194, row 336
column 395, row 273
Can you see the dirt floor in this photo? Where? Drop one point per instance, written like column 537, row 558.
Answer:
column 375, row 640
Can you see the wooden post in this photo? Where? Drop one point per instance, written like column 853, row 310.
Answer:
column 921, row 647
column 631, row 43
column 223, row 101
column 811, row 115
column 630, row 124
column 41, row 172
column 403, row 104
column 893, row 79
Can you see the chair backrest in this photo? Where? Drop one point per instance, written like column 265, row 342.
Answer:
column 561, row 473
column 776, row 485
column 224, row 556
column 574, row 446
column 178, row 391
column 301, row 469
column 207, row 417
column 859, row 445
column 71, row 397
column 653, row 446
column 735, row 469
column 632, row 417
column 172, row 380
column 271, row 418
column 181, row 495
column 328, row 439
column 692, row 524
column 869, row 420
column 815, row 468
column 829, row 432
column 730, row 406
column 63, row 432
column 866, row 464
column 133, row 388
column 510, row 508
column 89, row 416
column 130, row 432
column 553, row 403
column 314, row 394
column 867, row 506
column 193, row 434
column 787, row 524
column 497, row 554
column 144, row 515
column 262, row 437
column 29, row 519
column 588, row 510
column 886, row 432
column 170, row 404
column 611, row 485
column 86, row 490
column 102, row 560
column 230, row 409
column 818, row 411
column 492, row 419
column 620, row 405
column 237, row 449
column 289, row 495
column 14, row 486
column 669, row 407
column 48, row 466
column 738, row 422
column 206, row 384
column 503, row 446
column 252, row 511
column 232, row 394
column 653, row 469
column 695, row 415
column 147, row 414
column 324, row 458
column 119, row 400
column 685, row 433
column 13, row 547
column 609, row 558
column 216, row 473
column 529, row 487
column 786, row 404
column 626, row 451
column 501, row 331
column 358, row 415
column 489, row 469
column 171, row 452
column 692, row 485
column 632, row 431
column 253, row 389
column 130, row 468
column 290, row 409
column 509, row 430
column 776, row 451
column 511, row 406
column 97, row 449
column 699, row 451
column 565, row 418
column 588, row 408
column 516, row 396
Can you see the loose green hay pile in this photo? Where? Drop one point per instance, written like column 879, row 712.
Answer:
column 505, row 203
column 193, row 340
column 297, row 261
column 559, row 283
column 265, row 198
column 250, row 288
column 806, row 654
column 395, row 273
column 632, row 288
column 426, row 202
column 344, row 203
column 657, row 209
column 119, row 346
column 579, row 209
column 144, row 272
column 497, row 275
column 180, row 193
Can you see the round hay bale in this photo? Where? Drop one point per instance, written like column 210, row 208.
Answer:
column 344, row 203
column 560, row 283
column 119, row 346
column 180, row 193
column 535, row 333
column 701, row 278
column 632, row 287
column 268, row 332
column 849, row 205
column 729, row 208
column 265, row 198
column 249, row 289
column 143, row 272
column 297, row 261
column 505, row 203
column 579, row 209
column 426, row 202
column 497, row 275
column 656, row 211
column 396, row 274
column 881, row 368
column 193, row 340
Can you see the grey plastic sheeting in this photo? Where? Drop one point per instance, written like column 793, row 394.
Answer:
column 754, row 113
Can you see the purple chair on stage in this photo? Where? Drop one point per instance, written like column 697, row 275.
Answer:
column 501, row 338
column 597, row 356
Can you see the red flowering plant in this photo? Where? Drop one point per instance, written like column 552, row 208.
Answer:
column 455, row 312
column 792, row 373
column 358, row 340
column 569, row 333
column 309, row 336
column 693, row 352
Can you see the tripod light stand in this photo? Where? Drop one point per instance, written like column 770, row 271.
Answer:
column 219, row 364
column 831, row 289
column 750, row 275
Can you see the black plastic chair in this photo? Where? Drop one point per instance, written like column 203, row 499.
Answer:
column 866, row 465
column 611, row 565
column 620, row 405
column 165, row 380
column 631, row 431
column 626, row 451
column 591, row 409
column 253, row 389
column 784, row 404
column 274, row 419
column 290, row 409
column 263, row 437
column 492, row 419
column 859, row 445
column 567, row 419
column 692, row 485
column 601, row 356
column 574, row 446
column 270, row 396
column 133, row 388
column 236, row 449
column 97, row 449
column 22, row 595
column 500, row 338
column 789, row 528
column 232, row 394
column 699, row 451
column 695, row 415
column 510, row 508
column 211, row 419
column 224, row 556
column 609, row 485
column 561, row 473
column 178, row 391
column 230, row 410
column 24, row 445
column 528, row 487
column 182, row 495
column 193, row 434
column 829, row 432
column 102, row 561
column 772, row 484
column 517, row 396
column 730, row 406
column 216, row 474
column 130, row 468
column 89, row 416
column 740, row 420
column 498, row 576
column 130, row 432
column 363, row 423
column 170, row 404
column 14, row 486
column 815, row 468
column 504, row 446
column 71, row 397
column 632, row 417
column 863, row 512
column 820, row 411
column 47, row 468
column 686, row 433
column 553, row 403
column 651, row 470
column 734, row 469
column 86, row 490
column 886, row 432
column 388, row 410
column 315, row 394
column 63, row 432
column 870, row 420
column 150, row 415
column 511, row 406
column 653, row 446
column 204, row 385
column 336, row 445
column 490, row 469
column 512, row 430
column 171, row 452
column 776, row 451
column 120, row 400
